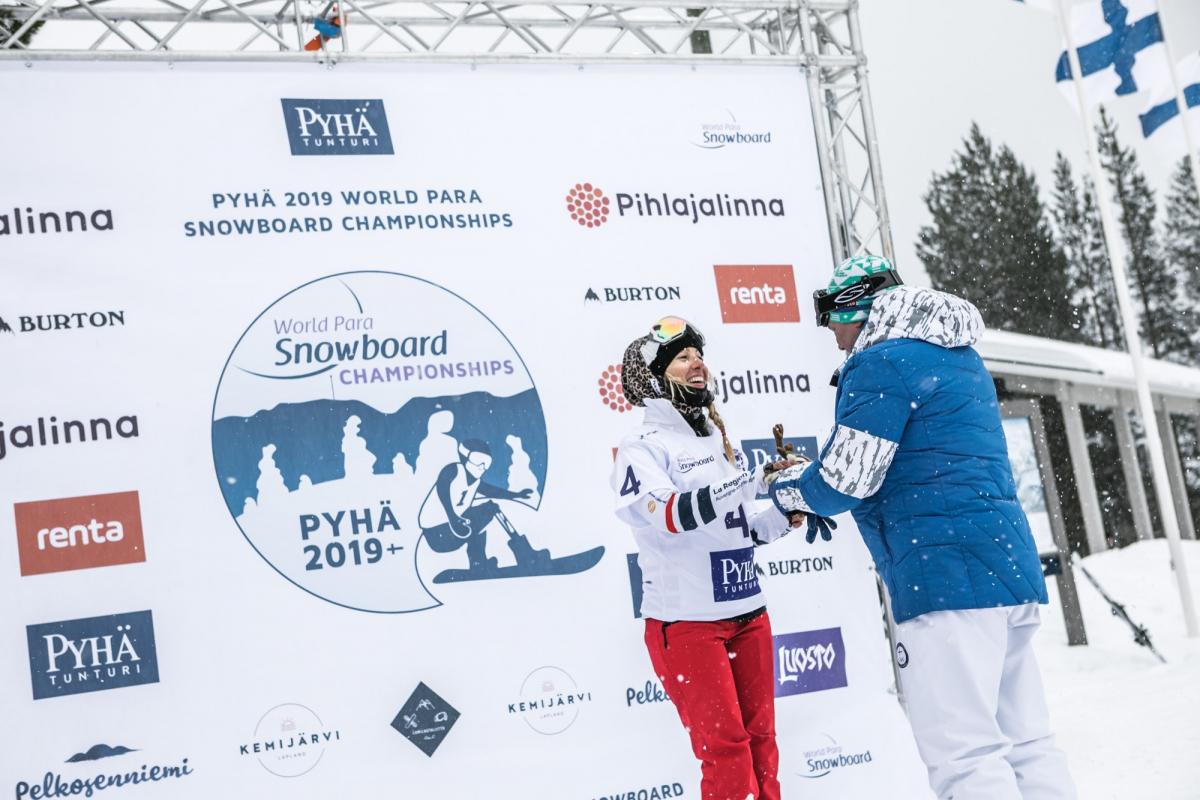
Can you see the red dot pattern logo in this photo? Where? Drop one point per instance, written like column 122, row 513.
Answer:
column 611, row 393
column 587, row 205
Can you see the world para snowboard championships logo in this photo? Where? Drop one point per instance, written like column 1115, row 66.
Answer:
column 370, row 428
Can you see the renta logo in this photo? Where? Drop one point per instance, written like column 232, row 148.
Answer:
column 79, row 533
column 762, row 293
column 337, row 127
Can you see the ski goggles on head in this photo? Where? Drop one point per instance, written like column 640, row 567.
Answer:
column 663, row 333
column 668, row 329
column 845, row 298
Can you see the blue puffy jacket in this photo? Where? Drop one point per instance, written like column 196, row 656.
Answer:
column 918, row 455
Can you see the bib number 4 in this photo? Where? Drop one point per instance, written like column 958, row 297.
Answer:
column 737, row 519
column 631, row 484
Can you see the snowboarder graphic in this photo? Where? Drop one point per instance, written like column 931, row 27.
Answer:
column 460, row 507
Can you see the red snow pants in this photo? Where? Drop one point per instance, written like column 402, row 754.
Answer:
column 721, row 677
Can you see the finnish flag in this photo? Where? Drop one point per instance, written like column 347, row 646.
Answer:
column 1161, row 123
column 1120, row 46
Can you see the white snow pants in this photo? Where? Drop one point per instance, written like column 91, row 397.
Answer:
column 974, row 698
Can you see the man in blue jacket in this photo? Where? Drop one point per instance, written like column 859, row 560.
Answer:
column 918, row 456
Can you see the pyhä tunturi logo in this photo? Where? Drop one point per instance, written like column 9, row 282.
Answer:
column 733, row 574
column 92, row 654
column 337, row 127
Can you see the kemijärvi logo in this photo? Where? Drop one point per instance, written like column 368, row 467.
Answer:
column 370, row 428
column 337, row 127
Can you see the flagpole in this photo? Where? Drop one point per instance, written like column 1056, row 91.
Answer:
column 1180, row 100
column 1116, row 257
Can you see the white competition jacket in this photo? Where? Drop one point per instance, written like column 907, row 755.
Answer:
column 694, row 518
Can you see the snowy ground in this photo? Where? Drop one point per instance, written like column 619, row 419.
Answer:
column 1129, row 724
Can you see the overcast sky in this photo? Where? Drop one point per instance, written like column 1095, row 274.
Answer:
column 938, row 65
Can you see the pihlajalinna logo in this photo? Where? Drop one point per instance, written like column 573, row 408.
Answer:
column 588, row 205
column 365, row 413
column 612, row 394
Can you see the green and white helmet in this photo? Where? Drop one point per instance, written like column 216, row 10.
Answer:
column 852, row 289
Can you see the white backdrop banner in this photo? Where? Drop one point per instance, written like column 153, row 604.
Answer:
column 255, row 323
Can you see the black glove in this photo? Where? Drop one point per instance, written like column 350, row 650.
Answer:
column 825, row 525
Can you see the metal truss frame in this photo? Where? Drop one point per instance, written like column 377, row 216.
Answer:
column 820, row 36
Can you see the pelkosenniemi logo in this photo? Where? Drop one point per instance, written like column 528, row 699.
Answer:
column 337, row 127
column 373, row 427
column 83, row 778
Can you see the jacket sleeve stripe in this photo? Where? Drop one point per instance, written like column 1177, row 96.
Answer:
column 670, row 522
column 704, row 503
column 687, row 519
column 856, row 462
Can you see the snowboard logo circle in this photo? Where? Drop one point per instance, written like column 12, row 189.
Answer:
column 901, row 655
column 371, row 424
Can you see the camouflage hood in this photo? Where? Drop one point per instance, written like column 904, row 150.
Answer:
column 909, row 312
